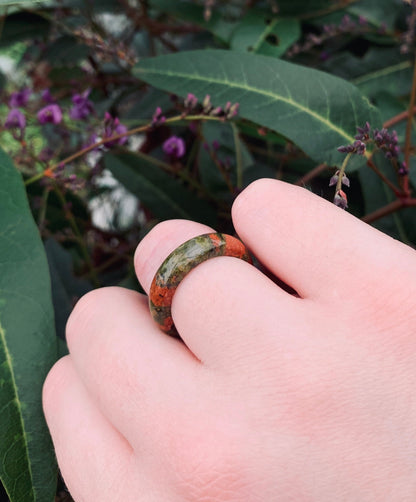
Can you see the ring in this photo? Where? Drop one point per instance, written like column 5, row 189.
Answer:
column 179, row 263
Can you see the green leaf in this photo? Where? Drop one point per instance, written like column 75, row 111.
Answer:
column 163, row 195
column 317, row 111
column 380, row 70
column 399, row 224
column 22, row 26
column 65, row 50
column 377, row 12
column 258, row 32
column 225, row 153
column 27, row 347
column 24, row 3
column 66, row 288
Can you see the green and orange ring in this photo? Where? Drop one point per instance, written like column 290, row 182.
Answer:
column 179, row 263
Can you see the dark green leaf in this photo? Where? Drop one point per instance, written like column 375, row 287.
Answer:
column 377, row 12
column 65, row 50
column 23, row 26
column 27, row 347
column 395, row 78
column 212, row 176
column 400, row 224
column 66, row 289
column 163, row 195
column 380, row 70
column 316, row 111
column 258, row 32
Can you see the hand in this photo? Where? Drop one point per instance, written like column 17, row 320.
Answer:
column 272, row 397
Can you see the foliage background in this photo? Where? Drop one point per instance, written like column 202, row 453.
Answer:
column 90, row 93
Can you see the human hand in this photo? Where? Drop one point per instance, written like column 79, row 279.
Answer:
column 272, row 398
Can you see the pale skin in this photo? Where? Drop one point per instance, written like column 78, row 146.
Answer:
column 272, row 397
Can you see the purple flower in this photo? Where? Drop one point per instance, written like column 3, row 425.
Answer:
column 403, row 169
column 113, row 127
column 158, row 118
column 15, row 120
column 231, row 110
column 340, row 199
column 83, row 107
column 356, row 147
column 174, row 146
column 20, row 98
column 387, row 142
column 334, row 179
column 191, row 101
column 50, row 113
column 362, row 21
column 363, row 132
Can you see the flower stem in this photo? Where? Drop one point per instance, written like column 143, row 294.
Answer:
column 136, row 130
column 342, row 172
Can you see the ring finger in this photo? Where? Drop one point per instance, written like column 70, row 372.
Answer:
column 213, row 306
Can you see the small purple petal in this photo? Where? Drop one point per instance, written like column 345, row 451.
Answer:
column 83, row 107
column 334, row 179
column 50, row 113
column 20, row 98
column 340, row 200
column 15, row 120
column 174, row 146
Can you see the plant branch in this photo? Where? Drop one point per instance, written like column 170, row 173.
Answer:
column 393, row 206
column 408, row 139
column 309, row 176
column 397, row 192
column 116, row 137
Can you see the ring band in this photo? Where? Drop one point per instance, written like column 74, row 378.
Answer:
column 179, row 263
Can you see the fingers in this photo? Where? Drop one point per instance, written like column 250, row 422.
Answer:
column 312, row 245
column 70, row 413
column 212, row 307
column 124, row 361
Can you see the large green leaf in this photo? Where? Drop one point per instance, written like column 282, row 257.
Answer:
column 27, row 347
column 317, row 111
column 380, row 70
